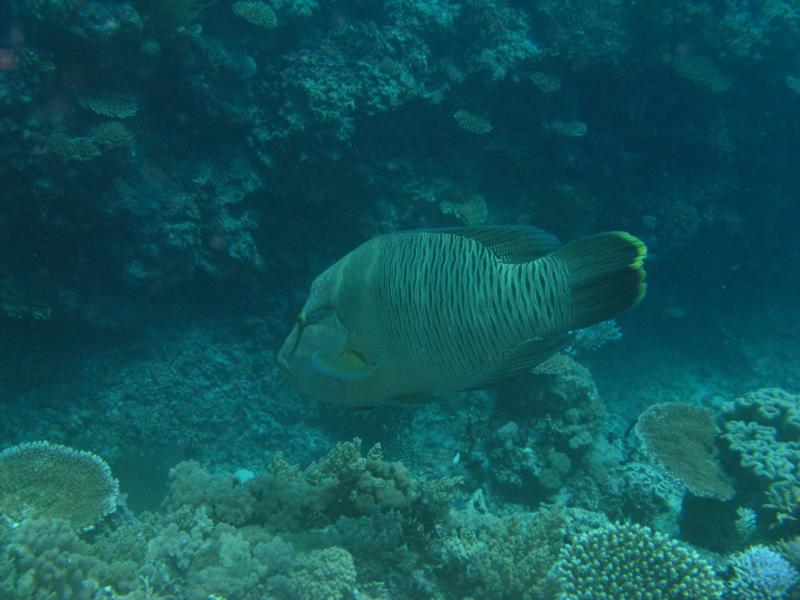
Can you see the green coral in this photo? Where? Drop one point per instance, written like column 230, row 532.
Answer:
column 110, row 104
column 494, row 558
column 72, row 149
column 112, row 135
column 175, row 11
column 328, row 573
column 256, row 13
column 762, row 431
column 681, row 437
column 41, row 479
column 44, row 559
column 346, row 483
column 472, row 122
column 701, row 71
column 625, row 560
column 222, row 496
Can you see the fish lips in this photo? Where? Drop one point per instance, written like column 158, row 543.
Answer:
column 295, row 357
column 287, row 351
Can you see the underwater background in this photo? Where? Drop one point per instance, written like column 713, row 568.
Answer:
column 174, row 173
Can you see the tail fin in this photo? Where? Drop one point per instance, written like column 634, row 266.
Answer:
column 606, row 275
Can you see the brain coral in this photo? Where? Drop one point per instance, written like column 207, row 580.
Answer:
column 626, row 560
column 763, row 432
column 44, row 480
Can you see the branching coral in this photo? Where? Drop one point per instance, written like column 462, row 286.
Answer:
column 494, row 558
column 760, row 573
column 632, row 561
column 347, row 483
column 44, row 559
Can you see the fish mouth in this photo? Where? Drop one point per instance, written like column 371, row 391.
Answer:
column 290, row 346
column 284, row 365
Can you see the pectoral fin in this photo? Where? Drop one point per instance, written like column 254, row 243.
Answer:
column 350, row 366
column 523, row 358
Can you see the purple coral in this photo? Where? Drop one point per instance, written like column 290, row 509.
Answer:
column 762, row 573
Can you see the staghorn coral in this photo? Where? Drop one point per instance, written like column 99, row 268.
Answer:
column 40, row 479
column 625, row 560
column 680, row 437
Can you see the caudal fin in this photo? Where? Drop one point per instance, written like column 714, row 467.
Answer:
column 606, row 275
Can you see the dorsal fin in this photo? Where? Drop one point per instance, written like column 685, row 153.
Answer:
column 523, row 358
column 511, row 243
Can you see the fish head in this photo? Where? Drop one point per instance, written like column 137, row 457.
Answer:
column 317, row 331
column 297, row 356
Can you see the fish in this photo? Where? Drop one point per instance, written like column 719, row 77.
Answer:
column 412, row 316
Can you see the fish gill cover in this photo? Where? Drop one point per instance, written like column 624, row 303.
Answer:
column 175, row 173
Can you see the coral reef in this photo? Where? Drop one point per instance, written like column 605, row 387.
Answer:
column 175, row 172
column 496, row 557
column 547, row 423
column 680, row 437
column 761, row 573
column 624, row 560
column 256, row 13
column 42, row 480
column 762, row 430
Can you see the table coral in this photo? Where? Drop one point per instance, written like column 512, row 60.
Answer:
column 40, row 479
column 680, row 437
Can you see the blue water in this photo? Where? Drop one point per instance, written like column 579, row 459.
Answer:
column 175, row 173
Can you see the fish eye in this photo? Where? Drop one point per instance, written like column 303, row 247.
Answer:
column 314, row 316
